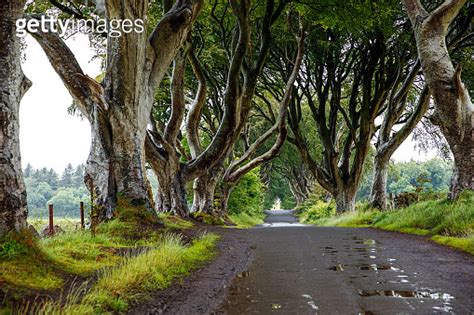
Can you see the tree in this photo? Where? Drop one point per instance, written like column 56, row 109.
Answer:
column 67, row 179
column 249, row 159
column 347, row 80
column 13, row 85
column 240, row 73
column 454, row 111
column 119, row 107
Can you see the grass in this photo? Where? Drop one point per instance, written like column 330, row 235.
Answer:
column 244, row 220
column 446, row 222
column 67, row 224
column 23, row 264
column 135, row 277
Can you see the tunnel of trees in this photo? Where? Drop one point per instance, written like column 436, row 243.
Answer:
column 220, row 106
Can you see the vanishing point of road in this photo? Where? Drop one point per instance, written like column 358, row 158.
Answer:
column 315, row 270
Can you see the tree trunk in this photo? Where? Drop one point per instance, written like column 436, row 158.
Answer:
column 171, row 195
column 345, row 200
column 204, row 190
column 454, row 111
column 119, row 108
column 463, row 173
column 378, row 195
column 226, row 191
column 115, row 164
column 13, row 85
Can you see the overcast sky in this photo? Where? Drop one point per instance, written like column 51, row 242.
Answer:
column 50, row 137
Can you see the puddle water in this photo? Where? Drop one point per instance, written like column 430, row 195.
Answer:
column 408, row 294
column 283, row 224
column 376, row 267
column 338, row 267
column 244, row 274
column 310, row 302
column 276, row 306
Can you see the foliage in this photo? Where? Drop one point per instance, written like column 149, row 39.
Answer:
column 316, row 211
column 248, row 195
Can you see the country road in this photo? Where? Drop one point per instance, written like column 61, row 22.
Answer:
column 313, row 270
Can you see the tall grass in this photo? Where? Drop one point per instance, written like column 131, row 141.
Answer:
column 133, row 278
column 245, row 220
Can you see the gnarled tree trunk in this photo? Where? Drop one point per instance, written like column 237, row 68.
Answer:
column 119, row 108
column 345, row 199
column 379, row 185
column 13, row 85
column 454, row 111
column 204, row 188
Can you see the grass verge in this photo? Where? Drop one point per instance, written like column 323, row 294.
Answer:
column 135, row 277
column 244, row 220
column 446, row 222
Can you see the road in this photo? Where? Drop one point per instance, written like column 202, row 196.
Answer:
column 315, row 270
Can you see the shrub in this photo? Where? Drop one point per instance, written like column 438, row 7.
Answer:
column 317, row 211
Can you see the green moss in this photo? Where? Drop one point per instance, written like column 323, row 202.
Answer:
column 23, row 263
column 174, row 222
column 208, row 218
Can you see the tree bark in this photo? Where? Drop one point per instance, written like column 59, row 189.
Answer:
column 13, row 85
column 345, row 200
column 379, row 186
column 204, row 188
column 454, row 111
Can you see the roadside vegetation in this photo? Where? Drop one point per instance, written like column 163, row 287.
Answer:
column 446, row 222
column 113, row 267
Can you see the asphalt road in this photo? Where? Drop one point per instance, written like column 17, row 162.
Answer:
column 314, row 270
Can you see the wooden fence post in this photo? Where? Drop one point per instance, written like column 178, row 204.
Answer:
column 51, row 222
column 82, row 215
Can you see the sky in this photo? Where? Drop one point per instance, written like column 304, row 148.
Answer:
column 52, row 138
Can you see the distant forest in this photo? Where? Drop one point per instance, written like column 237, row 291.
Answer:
column 45, row 186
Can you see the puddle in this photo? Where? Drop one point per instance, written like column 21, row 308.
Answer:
column 408, row 294
column 276, row 306
column 244, row 274
column 368, row 242
column 338, row 267
column 284, row 224
column 310, row 302
column 376, row 267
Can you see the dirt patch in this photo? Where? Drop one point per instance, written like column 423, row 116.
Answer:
column 204, row 290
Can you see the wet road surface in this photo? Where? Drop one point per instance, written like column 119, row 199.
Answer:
column 315, row 270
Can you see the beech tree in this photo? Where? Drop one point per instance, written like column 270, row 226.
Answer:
column 233, row 103
column 249, row 159
column 454, row 111
column 13, row 85
column 343, row 67
column 119, row 107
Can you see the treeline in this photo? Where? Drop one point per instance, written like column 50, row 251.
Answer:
column 423, row 177
column 66, row 191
